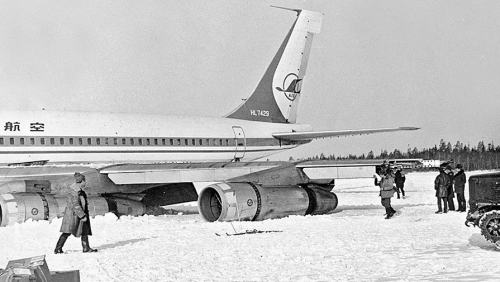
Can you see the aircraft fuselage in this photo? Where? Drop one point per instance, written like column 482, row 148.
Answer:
column 91, row 137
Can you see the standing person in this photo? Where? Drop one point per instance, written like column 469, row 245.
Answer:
column 387, row 190
column 460, row 179
column 399, row 179
column 441, row 187
column 451, row 195
column 76, row 218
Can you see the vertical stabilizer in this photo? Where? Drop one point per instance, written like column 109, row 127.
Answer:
column 277, row 95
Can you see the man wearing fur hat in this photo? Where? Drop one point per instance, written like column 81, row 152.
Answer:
column 76, row 218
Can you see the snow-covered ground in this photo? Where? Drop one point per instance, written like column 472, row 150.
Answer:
column 354, row 243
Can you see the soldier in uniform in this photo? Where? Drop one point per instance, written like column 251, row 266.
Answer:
column 76, row 218
column 387, row 190
column 451, row 195
column 459, row 180
column 399, row 179
column 441, row 186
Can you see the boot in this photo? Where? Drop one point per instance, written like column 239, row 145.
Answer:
column 60, row 244
column 86, row 246
column 387, row 211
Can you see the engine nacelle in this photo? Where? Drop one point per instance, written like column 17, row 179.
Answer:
column 248, row 201
column 19, row 207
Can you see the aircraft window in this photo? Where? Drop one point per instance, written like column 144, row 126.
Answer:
column 186, row 142
column 178, row 142
column 131, row 141
column 208, row 142
column 220, row 142
column 171, row 142
column 80, row 141
column 115, row 141
column 1, row 141
column 52, row 141
column 193, row 142
column 42, row 141
column 140, row 141
column 98, row 141
column 156, row 141
column 71, row 141
column 89, row 141
column 106, row 141
column 148, row 142
column 227, row 142
column 61, row 141
column 11, row 141
column 124, row 141
column 163, row 142
column 200, row 142
column 32, row 141
column 21, row 141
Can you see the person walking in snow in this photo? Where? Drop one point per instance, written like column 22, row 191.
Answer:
column 399, row 179
column 441, row 186
column 459, row 180
column 387, row 190
column 76, row 218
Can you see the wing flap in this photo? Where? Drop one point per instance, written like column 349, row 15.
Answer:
column 345, row 169
column 182, row 172
column 310, row 135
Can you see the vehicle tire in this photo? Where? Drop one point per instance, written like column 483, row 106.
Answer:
column 490, row 226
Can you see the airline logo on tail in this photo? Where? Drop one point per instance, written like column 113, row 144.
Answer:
column 293, row 89
column 278, row 92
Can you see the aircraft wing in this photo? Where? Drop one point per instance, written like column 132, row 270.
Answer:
column 127, row 174
column 182, row 172
column 310, row 135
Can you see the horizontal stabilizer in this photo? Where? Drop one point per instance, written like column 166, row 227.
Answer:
column 310, row 135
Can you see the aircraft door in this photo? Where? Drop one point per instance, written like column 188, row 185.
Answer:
column 240, row 142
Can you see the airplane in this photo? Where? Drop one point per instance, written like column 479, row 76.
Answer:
column 133, row 162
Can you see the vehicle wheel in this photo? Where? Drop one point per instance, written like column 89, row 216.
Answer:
column 490, row 226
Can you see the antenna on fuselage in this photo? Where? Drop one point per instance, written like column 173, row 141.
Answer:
column 284, row 8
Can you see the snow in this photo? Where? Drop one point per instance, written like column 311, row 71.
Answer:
column 354, row 243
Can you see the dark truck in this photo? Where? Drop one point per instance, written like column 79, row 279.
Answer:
column 484, row 203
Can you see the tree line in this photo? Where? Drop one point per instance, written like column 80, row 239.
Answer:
column 479, row 157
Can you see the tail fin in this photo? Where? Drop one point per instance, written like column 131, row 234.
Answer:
column 276, row 98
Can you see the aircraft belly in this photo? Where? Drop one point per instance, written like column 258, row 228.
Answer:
column 106, row 154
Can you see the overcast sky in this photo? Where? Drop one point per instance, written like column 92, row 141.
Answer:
column 430, row 64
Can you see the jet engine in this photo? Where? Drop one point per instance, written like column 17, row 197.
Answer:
column 19, row 207
column 253, row 202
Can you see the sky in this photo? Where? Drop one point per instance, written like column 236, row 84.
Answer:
column 428, row 64
column 353, row 243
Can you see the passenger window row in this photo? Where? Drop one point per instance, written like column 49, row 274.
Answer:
column 107, row 141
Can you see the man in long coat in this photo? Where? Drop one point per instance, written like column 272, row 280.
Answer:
column 76, row 218
column 459, row 180
column 441, row 184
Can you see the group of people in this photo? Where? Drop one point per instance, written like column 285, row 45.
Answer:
column 448, row 179
column 390, row 183
column 447, row 183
